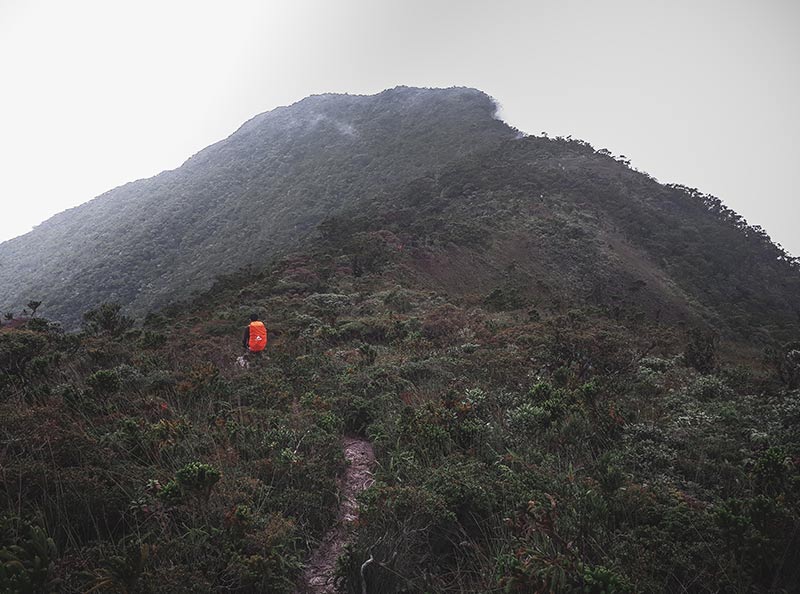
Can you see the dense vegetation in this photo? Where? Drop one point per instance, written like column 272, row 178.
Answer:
column 518, row 450
column 248, row 197
column 574, row 378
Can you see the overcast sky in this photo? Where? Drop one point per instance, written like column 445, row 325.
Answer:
column 94, row 94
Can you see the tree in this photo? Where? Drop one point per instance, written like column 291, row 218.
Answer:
column 106, row 318
column 33, row 306
column 701, row 350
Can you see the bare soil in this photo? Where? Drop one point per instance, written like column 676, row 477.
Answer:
column 319, row 575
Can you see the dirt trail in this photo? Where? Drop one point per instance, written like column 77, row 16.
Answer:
column 318, row 577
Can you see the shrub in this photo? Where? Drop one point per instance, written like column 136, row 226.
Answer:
column 151, row 339
column 399, row 300
column 443, row 322
column 526, row 418
column 328, row 306
column 42, row 364
column 786, row 361
column 545, row 406
column 701, row 350
column 26, row 556
column 402, row 527
column 104, row 382
column 368, row 330
column 42, row 325
column 609, row 475
column 601, row 580
column 121, row 572
column 171, row 493
column 17, row 348
column 758, row 533
column 656, row 364
column 106, row 319
column 506, row 298
column 709, row 387
column 772, row 470
column 197, row 479
column 465, row 487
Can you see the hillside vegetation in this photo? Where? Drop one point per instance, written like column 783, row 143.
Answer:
column 574, row 379
column 250, row 196
column 571, row 450
column 555, row 223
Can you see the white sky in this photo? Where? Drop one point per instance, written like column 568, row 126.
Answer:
column 700, row 92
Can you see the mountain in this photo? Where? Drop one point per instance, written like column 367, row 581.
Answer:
column 581, row 224
column 573, row 378
column 243, row 199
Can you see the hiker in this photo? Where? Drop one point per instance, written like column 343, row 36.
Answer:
column 255, row 336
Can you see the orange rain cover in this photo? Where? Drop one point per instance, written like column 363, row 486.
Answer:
column 258, row 336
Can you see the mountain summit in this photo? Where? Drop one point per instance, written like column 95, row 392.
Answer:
column 243, row 199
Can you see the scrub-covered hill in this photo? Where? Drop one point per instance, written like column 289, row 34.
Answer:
column 548, row 223
column 572, row 377
column 568, row 448
column 242, row 199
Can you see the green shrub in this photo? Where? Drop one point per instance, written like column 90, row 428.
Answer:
column 465, row 487
column 506, row 298
column 609, row 473
column 26, row 556
column 701, row 350
column 76, row 398
column 656, row 364
column 106, row 318
column 544, row 406
column 760, row 536
column 17, row 348
column 171, row 493
column 786, row 361
column 527, row 418
column 367, row 330
column 601, row 580
column 122, row 572
column 398, row 300
column 772, row 470
column 328, row 306
column 198, row 479
column 151, row 339
column 43, row 325
column 104, row 382
column 193, row 481
column 709, row 387
column 43, row 364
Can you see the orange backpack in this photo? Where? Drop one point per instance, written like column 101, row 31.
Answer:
column 258, row 337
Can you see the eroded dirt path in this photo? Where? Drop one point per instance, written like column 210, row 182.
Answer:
column 319, row 574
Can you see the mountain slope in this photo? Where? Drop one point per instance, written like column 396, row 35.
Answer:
column 578, row 449
column 534, row 222
column 242, row 199
column 521, row 334
column 549, row 223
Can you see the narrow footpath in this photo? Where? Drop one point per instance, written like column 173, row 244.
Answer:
column 319, row 574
